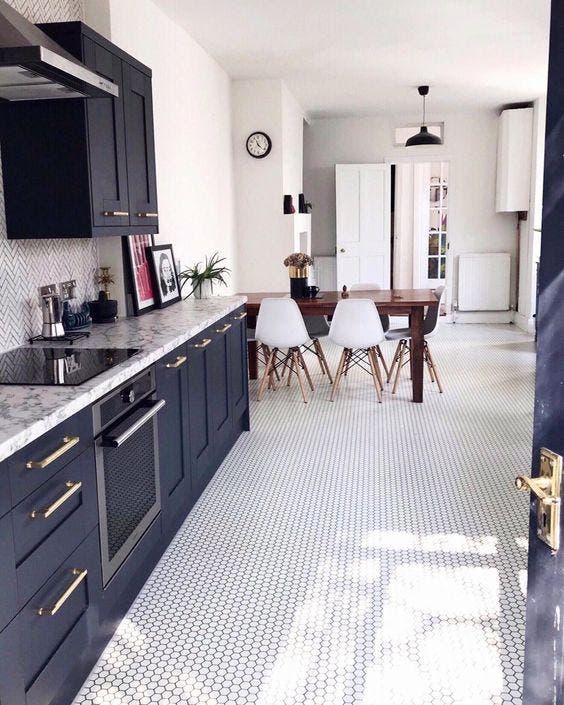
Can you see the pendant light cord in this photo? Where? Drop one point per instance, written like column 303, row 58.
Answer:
column 423, row 123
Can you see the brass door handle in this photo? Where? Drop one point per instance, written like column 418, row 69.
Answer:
column 539, row 486
column 115, row 214
column 73, row 487
column 240, row 316
column 147, row 215
column 180, row 360
column 204, row 344
column 68, row 443
column 227, row 326
column 56, row 606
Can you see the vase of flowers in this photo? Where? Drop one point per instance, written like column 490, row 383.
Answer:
column 298, row 264
column 201, row 278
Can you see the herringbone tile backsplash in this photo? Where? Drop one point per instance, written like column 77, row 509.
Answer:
column 27, row 264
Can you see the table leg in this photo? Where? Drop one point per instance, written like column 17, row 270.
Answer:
column 417, row 353
column 253, row 359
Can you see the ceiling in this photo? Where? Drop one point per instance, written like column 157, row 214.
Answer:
column 365, row 57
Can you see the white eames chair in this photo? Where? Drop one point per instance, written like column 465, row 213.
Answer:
column 356, row 327
column 403, row 335
column 280, row 326
column 384, row 318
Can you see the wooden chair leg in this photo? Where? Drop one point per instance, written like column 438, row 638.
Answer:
column 338, row 374
column 296, row 360
column 384, row 363
column 375, row 375
column 322, row 359
column 286, row 360
column 435, row 371
column 400, row 365
column 347, row 362
column 317, row 348
column 428, row 362
column 394, row 362
column 305, row 369
column 290, row 368
column 266, row 375
column 374, row 354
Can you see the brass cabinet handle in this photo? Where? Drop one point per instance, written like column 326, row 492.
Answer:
column 44, row 513
column 204, row 344
column 240, row 316
column 56, row 606
column 68, row 443
column 180, row 360
column 147, row 215
column 115, row 214
column 227, row 326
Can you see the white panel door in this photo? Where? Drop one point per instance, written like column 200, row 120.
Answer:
column 363, row 224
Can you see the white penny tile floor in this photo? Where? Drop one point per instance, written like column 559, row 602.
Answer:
column 354, row 552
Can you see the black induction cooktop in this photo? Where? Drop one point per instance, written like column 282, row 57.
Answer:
column 59, row 365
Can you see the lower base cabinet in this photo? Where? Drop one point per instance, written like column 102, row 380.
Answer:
column 55, row 617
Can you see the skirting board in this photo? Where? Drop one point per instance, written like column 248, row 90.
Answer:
column 524, row 323
column 481, row 317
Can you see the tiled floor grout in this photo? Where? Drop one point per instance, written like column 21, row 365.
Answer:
column 350, row 552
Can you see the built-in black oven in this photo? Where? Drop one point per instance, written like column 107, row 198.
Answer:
column 127, row 467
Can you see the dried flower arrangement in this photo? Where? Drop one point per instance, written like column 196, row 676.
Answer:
column 298, row 259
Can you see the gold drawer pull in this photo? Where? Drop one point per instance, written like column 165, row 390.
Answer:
column 180, row 360
column 240, row 316
column 227, row 326
column 44, row 513
column 50, row 611
column 115, row 214
column 147, row 215
column 68, row 443
column 204, row 344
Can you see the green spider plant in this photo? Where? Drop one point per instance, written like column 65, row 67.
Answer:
column 212, row 270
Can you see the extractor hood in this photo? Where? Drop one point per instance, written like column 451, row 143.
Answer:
column 34, row 67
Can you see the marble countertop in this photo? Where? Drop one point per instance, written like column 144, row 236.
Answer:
column 26, row 412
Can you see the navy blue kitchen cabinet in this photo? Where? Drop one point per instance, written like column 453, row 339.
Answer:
column 8, row 596
column 239, row 376
column 220, row 387
column 199, row 404
column 67, row 164
column 174, row 435
column 11, row 669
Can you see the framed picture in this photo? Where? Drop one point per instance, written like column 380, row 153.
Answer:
column 165, row 278
column 141, row 286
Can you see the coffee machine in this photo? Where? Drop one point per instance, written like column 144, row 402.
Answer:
column 52, row 311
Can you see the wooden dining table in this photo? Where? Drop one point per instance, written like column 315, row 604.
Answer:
column 395, row 302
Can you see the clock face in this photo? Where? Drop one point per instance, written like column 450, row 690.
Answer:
column 259, row 144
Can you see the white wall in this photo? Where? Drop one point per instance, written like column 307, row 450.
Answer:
column 264, row 233
column 192, row 114
column 470, row 145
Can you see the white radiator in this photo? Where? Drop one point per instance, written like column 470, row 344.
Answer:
column 483, row 282
column 325, row 273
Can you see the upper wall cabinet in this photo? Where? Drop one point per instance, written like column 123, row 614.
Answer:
column 514, row 160
column 82, row 168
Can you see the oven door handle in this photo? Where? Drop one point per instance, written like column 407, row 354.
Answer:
column 117, row 441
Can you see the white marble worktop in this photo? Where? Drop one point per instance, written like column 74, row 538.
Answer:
column 26, row 412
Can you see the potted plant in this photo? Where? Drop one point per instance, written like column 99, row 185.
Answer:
column 201, row 278
column 298, row 264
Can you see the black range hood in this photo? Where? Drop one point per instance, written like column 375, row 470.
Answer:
column 34, row 67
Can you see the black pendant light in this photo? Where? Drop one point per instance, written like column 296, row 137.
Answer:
column 423, row 136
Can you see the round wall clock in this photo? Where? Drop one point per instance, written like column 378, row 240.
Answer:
column 259, row 145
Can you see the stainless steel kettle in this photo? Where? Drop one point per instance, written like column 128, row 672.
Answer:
column 52, row 310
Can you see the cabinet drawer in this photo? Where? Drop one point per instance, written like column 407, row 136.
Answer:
column 54, row 625
column 42, row 543
column 5, row 494
column 8, row 605
column 41, row 459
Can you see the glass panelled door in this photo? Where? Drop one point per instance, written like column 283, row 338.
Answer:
column 438, row 222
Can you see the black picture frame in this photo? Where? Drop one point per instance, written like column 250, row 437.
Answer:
column 134, row 249
column 166, row 285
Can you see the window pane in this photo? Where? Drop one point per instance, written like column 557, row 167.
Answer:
column 435, row 191
column 444, row 201
column 433, row 268
column 444, row 221
column 443, row 267
column 434, row 219
column 443, row 243
column 434, row 243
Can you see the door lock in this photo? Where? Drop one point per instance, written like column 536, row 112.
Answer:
column 546, row 488
column 342, row 249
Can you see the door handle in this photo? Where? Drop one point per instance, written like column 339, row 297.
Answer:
column 227, row 326
column 546, row 489
column 342, row 249
column 79, row 574
column 115, row 214
column 72, row 487
column 117, row 441
column 147, row 215
column 180, row 360
column 204, row 344
column 68, row 443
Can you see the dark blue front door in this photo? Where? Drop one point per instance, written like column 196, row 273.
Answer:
column 544, row 640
